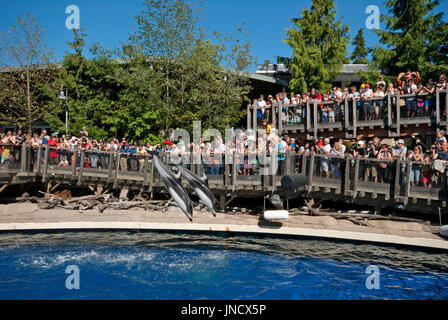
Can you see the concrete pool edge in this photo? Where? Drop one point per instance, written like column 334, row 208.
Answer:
column 285, row 231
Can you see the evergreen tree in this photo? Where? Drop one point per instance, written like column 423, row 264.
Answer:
column 359, row 54
column 415, row 38
column 320, row 45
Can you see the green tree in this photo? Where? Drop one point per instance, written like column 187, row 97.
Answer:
column 359, row 54
column 28, row 86
column 320, row 45
column 415, row 38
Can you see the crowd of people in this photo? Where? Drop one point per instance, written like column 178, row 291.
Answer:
column 370, row 100
column 427, row 168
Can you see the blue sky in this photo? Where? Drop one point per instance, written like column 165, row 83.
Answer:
column 110, row 21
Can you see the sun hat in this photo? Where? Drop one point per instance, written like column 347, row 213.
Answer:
column 363, row 86
column 400, row 141
column 360, row 142
column 367, row 85
column 327, row 140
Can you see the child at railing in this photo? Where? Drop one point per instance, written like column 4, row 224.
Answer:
column 427, row 171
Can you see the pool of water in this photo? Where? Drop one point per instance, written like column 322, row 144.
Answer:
column 147, row 265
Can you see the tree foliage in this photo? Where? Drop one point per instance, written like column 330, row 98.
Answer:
column 359, row 54
column 28, row 85
column 415, row 38
column 319, row 44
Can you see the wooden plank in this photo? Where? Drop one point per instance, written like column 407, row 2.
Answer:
column 437, row 107
column 347, row 173
column 44, row 173
column 109, row 170
column 311, row 172
column 75, row 160
column 81, row 166
column 398, row 113
column 389, row 113
column 255, row 119
column 356, row 176
column 354, row 118
column 145, row 171
column 346, row 116
column 280, row 124
column 308, row 118
column 315, row 127
column 397, row 178
column 39, row 158
column 117, row 169
column 408, row 179
column 23, row 158
column 248, row 116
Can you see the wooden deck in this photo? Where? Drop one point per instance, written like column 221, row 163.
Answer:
column 353, row 185
column 392, row 122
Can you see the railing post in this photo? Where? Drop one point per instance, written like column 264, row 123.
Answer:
column 437, row 108
column 356, row 176
column 347, row 175
column 288, row 162
column 274, row 118
column 145, row 171
column 111, row 164
column 304, row 162
column 355, row 117
column 23, row 158
column 389, row 114
column 315, row 119
column 255, row 124
column 117, row 169
column 233, row 170
column 308, row 117
column 398, row 113
column 254, row 117
column 75, row 162
column 346, row 116
column 280, row 123
column 248, row 116
column 81, row 166
column 397, row 178
column 39, row 158
column 311, row 172
column 44, row 173
column 408, row 179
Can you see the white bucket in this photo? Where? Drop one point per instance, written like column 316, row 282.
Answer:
column 276, row 215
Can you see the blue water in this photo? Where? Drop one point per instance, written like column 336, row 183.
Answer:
column 122, row 265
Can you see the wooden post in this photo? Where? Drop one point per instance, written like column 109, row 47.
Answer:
column 304, row 162
column 397, row 178
column 355, row 118
column 151, row 181
column 145, row 171
column 39, row 158
column 288, row 162
column 233, row 170
column 44, row 173
column 315, row 119
column 254, row 117
column 23, row 158
column 389, row 114
column 274, row 118
column 437, row 108
column 356, row 176
column 347, row 175
column 111, row 162
column 346, row 116
column 311, row 172
column 81, row 166
column 248, row 116
column 280, row 111
column 227, row 172
column 408, row 179
column 75, row 161
column 192, row 167
column 398, row 114
column 308, row 118
column 117, row 169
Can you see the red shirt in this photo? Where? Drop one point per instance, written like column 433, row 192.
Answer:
column 53, row 152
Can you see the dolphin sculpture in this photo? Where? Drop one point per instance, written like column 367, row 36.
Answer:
column 172, row 183
column 199, row 185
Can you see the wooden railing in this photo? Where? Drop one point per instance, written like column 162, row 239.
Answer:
column 360, row 180
column 389, row 114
